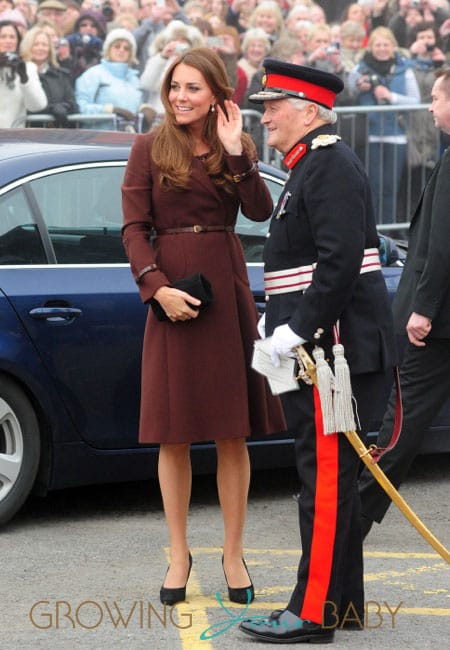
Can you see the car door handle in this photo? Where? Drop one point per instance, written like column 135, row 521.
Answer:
column 55, row 313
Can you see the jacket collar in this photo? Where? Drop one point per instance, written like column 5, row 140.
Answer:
column 302, row 147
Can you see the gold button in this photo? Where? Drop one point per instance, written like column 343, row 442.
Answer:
column 267, row 298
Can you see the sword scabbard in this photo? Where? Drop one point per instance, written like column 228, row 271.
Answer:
column 366, row 457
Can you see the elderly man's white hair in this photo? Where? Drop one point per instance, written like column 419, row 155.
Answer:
column 325, row 114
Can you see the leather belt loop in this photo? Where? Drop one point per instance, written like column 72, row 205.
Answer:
column 195, row 229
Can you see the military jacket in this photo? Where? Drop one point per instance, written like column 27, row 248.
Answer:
column 325, row 216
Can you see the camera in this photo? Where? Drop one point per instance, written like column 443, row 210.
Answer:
column 374, row 80
column 333, row 48
column 416, row 3
column 181, row 47
column 11, row 58
column 214, row 41
column 108, row 11
column 429, row 47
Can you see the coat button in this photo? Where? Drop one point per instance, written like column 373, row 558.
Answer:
column 267, row 298
column 318, row 333
column 268, row 235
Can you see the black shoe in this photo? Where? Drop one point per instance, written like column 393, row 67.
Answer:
column 282, row 626
column 241, row 595
column 172, row 595
column 366, row 525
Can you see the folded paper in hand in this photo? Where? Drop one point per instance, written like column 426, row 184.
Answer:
column 281, row 379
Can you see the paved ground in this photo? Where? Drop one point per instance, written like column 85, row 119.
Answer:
column 81, row 570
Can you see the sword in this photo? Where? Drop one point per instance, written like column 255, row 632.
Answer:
column 364, row 453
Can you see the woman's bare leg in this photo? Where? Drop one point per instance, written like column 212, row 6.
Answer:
column 233, row 480
column 175, row 480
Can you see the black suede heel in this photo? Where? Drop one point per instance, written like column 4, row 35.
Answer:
column 241, row 595
column 173, row 595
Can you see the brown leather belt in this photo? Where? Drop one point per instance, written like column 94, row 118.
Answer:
column 195, row 229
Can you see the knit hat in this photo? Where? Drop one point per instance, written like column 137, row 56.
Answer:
column 14, row 16
column 119, row 34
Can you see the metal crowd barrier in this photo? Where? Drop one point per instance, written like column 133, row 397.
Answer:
column 395, row 192
column 80, row 120
column 407, row 181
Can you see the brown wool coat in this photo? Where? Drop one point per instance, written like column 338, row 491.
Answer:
column 197, row 383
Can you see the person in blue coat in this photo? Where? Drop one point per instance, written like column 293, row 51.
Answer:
column 112, row 86
column 384, row 77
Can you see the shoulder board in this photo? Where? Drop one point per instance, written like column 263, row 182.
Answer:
column 324, row 140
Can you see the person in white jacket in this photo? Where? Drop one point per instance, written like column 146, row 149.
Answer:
column 20, row 87
column 112, row 86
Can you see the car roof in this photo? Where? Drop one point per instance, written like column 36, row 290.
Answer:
column 24, row 151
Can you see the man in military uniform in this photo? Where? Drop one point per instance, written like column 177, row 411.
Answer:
column 322, row 275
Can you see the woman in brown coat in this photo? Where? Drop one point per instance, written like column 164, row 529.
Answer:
column 185, row 181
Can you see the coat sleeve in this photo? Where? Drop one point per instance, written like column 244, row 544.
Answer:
column 434, row 283
column 86, row 87
column 153, row 73
column 138, row 220
column 34, row 95
column 254, row 195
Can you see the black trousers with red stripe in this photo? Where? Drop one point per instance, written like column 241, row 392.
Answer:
column 330, row 573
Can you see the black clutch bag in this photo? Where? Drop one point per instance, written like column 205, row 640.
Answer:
column 196, row 285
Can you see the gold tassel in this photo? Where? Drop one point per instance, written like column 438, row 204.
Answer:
column 325, row 383
column 343, row 408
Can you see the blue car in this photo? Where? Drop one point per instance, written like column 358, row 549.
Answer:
column 72, row 320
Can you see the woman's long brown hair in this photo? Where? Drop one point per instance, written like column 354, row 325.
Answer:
column 173, row 146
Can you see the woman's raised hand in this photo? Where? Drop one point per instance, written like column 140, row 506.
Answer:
column 229, row 127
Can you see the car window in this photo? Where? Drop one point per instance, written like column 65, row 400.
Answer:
column 20, row 242
column 253, row 233
column 82, row 210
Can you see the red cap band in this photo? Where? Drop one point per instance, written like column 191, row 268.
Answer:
column 311, row 91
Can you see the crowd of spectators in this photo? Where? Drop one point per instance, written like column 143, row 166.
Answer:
column 109, row 56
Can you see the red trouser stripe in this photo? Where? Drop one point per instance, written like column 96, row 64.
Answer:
column 324, row 529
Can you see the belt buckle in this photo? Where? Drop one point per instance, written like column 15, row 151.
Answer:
column 198, row 229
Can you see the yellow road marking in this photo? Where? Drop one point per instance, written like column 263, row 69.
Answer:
column 198, row 604
column 204, row 550
column 195, row 608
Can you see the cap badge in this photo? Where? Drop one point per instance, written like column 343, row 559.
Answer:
column 324, row 140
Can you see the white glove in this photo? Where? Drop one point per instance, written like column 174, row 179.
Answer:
column 261, row 327
column 284, row 339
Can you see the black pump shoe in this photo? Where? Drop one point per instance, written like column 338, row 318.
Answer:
column 173, row 595
column 241, row 595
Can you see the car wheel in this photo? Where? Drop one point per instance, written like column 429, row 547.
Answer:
column 19, row 448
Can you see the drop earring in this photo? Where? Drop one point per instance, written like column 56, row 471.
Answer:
column 212, row 109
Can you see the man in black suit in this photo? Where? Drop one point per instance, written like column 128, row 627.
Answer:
column 422, row 307
column 322, row 268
